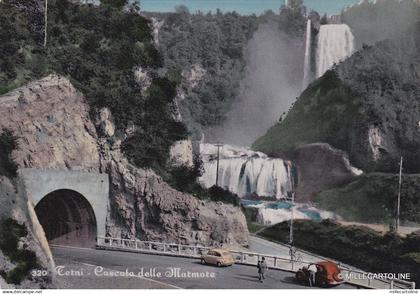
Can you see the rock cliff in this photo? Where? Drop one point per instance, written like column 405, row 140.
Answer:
column 144, row 206
column 14, row 205
column 55, row 131
column 320, row 167
column 53, row 125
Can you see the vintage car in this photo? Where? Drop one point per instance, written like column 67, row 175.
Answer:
column 219, row 257
column 328, row 274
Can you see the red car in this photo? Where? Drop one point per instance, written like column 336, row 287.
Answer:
column 328, row 274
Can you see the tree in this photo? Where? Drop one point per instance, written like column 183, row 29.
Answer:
column 46, row 23
column 292, row 18
column 115, row 3
column 135, row 6
column 182, row 9
column 324, row 19
column 296, row 4
column 8, row 143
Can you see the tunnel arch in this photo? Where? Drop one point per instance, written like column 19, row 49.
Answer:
column 67, row 218
column 93, row 186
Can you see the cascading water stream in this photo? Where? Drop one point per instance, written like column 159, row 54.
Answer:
column 335, row 43
column 246, row 172
column 308, row 49
column 249, row 173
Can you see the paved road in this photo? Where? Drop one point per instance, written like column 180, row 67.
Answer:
column 259, row 245
column 235, row 277
column 263, row 246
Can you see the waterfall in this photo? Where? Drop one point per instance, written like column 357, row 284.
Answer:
column 335, row 43
column 308, row 49
column 245, row 172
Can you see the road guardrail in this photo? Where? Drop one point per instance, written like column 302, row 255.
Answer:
column 277, row 262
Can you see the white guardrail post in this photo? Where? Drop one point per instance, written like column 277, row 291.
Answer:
column 243, row 257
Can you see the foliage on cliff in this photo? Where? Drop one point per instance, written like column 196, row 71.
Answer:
column 292, row 19
column 205, row 50
column 367, row 106
column 21, row 57
column 185, row 178
column 99, row 47
column 10, row 233
column 378, row 192
column 373, row 21
column 206, row 53
column 358, row 246
column 8, row 143
column 323, row 113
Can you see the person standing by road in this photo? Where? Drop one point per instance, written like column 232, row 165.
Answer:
column 259, row 269
column 312, row 269
column 292, row 252
column 262, row 269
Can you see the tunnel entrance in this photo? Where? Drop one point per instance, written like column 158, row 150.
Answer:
column 67, row 219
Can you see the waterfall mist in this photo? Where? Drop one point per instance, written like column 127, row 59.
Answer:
column 273, row 80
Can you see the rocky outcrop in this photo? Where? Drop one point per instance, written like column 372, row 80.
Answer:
column 157, row 25
column 143, row 78
column 14, row 205
column 194, row 75
column 52, row 122
column 104, row 124
column 145, row 207
column 181, row 153
column 55, row 131
column 320, row 167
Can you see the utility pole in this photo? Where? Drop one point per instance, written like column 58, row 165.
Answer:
column 291, row 219
column 217, row 164
column 397, row 224
column 46, row 23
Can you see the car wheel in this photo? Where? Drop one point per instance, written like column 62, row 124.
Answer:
column 219, row 264
column 337, row 277
column 203, row 261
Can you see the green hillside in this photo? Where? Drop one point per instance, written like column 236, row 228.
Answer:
column 378, row 193
column 373, row 95
column 325, row 112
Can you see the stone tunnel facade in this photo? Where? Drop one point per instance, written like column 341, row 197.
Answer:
column 71, row 205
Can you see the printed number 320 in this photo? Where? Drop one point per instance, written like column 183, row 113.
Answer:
column 39, row 273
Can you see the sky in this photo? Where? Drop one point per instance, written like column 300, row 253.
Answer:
column 245, row 7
